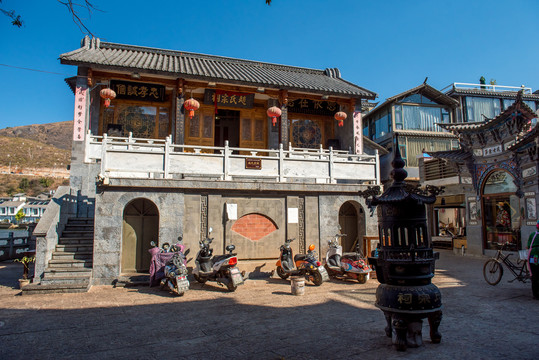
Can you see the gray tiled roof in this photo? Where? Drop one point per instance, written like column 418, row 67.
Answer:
column 111, row 56
column 424, row 89
column 489, row 93
column 453, row 155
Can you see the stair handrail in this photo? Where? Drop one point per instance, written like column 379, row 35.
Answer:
column 47, row 232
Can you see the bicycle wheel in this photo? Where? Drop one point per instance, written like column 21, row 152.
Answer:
column 492, row 272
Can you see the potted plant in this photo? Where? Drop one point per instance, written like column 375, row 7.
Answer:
column 25, row 260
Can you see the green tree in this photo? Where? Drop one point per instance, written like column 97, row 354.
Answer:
column 46, row 182
column 20, row 215
column 24, row 184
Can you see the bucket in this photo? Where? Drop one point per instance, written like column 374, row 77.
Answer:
column 298, row 285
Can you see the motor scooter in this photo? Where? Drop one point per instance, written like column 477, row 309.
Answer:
column 300, row 265
column 351, row 266
column 168, row 267
column 220, row 268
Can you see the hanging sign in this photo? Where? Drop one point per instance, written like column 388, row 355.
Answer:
column 228, row 99
column 313, row 107
column 129, row 90
column 79, row 119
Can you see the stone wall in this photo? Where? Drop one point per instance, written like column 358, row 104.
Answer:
column 309, row 217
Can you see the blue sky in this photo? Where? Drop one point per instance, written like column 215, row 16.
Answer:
column 384, row 46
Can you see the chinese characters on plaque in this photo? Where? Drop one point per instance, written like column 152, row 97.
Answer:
column 228, row 98
column 79, row 119
column 138, row 91
column 314, row 107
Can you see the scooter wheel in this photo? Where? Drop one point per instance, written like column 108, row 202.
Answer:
column 281, row 273
column 362, row 279
column 317, row 278
column 199, row 279
column 231, row 287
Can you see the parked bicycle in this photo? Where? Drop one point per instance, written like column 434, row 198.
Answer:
column 493, row 269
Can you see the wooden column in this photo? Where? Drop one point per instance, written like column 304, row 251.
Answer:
column 179, row 123
column 283, row 97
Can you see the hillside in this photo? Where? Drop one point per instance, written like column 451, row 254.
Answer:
column 23, row 154
column 56, row 134
column 34, row 158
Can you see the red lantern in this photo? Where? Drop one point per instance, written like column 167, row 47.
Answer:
column 191, row 105
column 274, row 112
column 108, row 94
column 340, row 117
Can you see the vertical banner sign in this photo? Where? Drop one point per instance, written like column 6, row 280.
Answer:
column 79, row 120
column 358, row 132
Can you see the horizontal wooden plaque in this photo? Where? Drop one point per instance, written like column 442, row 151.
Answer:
column 253, row 164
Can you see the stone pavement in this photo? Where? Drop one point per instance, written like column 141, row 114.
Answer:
column 262, row 320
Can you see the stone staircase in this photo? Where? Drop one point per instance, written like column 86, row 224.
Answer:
column 70, row 268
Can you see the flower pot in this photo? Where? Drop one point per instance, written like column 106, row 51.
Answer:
column 23, row 282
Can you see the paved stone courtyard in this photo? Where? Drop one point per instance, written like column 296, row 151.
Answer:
column 262, row 320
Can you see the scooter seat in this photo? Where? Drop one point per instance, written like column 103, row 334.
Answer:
column 300, row 257
column 218, row 258
column 351, row 256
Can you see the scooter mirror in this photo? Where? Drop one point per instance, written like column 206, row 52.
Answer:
column 210, row 230
column 187, row 252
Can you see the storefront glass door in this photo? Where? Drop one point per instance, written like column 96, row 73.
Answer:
column 501, row 215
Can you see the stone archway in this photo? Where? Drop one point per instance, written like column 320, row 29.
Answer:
column 140, row 228
column 352, row 222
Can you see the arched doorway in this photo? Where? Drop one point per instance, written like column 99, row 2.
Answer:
column 352, row 222
column 140, row 228
column 500, row 210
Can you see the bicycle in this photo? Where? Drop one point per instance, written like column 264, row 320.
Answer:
column 493, row 269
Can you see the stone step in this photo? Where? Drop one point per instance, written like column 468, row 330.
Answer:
column 79, row 255
column 76, row 234
column 74, row 248
column 66, row 272
column 81, row 221
column 76, row 241
column 78, row 263
column 33, row 289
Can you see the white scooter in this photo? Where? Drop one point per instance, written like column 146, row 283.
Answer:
column 351, row 266
column 220, row 268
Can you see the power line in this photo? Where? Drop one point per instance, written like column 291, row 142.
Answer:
column 37, row 70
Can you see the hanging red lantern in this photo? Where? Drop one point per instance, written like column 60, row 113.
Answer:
column 340, row 117
column 274, row 112
column 108, row 94
column 191, row 105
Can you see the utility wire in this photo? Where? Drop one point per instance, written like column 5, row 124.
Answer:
column 29, row 69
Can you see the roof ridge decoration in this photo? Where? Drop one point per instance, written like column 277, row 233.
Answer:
column 333, row 72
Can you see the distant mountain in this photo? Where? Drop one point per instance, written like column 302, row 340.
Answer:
column 58, row 134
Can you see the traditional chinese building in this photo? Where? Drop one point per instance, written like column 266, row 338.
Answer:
column 187, row 144
column 499, row 156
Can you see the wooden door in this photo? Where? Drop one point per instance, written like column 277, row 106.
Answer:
column 253, row 130
column 199, row 130
column 140, row 228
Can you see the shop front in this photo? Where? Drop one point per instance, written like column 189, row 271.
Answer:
column 500, row 158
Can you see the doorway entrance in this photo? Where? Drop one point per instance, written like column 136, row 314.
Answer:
column 352, row 222
column 501, row 215
column 140, row 228
column 227, row 127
